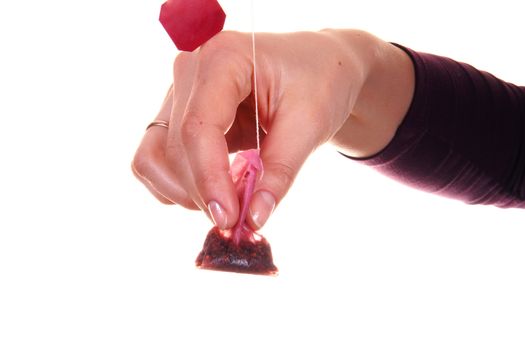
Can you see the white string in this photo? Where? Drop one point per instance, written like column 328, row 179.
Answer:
column 255, row 79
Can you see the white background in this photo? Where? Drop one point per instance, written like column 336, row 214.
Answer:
column 89, row 260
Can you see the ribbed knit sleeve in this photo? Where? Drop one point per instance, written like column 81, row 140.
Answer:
column 463, row 136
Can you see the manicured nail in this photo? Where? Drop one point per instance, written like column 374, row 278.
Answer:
column 261, row 207
column 218, row 215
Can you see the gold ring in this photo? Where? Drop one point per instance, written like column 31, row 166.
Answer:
column 162, row 123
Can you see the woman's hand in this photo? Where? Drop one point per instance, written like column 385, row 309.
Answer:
column 347, row 87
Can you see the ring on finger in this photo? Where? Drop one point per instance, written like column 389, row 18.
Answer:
column 162, row 123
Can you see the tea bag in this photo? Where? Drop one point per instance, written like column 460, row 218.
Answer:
column 239, row 249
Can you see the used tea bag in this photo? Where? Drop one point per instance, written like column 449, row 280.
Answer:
column 239, row 249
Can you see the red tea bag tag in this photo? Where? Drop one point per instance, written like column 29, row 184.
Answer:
column 240, row 249
column 190, row 23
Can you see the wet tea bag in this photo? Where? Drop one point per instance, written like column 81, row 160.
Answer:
column 239, row 249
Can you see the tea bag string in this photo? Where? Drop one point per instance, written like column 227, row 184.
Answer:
column 255, row 78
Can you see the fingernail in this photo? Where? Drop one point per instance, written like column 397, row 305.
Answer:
column 261, row 207
column 218, row 215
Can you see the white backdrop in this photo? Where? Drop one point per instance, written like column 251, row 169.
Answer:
column 89, row 260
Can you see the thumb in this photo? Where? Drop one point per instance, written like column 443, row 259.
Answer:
column 290, row 139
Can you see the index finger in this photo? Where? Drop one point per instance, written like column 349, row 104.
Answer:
column 221, row 83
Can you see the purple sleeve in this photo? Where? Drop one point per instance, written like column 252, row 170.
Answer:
column 463, row 136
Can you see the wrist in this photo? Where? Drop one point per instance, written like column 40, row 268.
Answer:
column 383, row 97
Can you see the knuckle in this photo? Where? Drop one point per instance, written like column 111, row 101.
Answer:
column 213, row 51
column 184, row 66
column 227, row 51
column 223, row 41
column 182, row 60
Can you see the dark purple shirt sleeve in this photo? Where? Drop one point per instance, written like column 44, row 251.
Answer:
column 463, row 136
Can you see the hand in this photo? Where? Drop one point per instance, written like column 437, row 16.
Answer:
column 346, row 87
